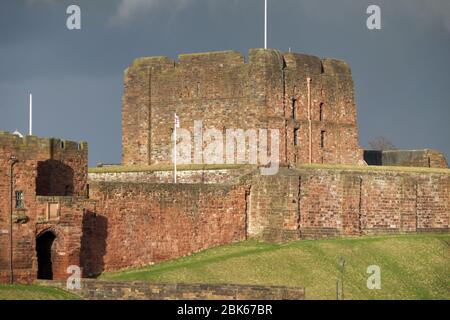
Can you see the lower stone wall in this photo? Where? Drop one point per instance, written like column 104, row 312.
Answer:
column 125, row 290
column 137, row 224
column 317, row 203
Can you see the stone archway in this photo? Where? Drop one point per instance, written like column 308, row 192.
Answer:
column 44, row 245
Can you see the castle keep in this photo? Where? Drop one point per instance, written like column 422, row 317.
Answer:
column 54, row 214
column 309, row 100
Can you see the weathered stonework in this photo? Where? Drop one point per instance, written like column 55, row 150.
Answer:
column 139, row 223
column 52, row 175
column 315, row 203
column 270, row 91
column 137, row 290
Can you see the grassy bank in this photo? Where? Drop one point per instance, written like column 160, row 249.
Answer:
column 34, row 292
column 412, row 267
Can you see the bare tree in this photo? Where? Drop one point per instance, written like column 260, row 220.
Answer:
column 381, row 143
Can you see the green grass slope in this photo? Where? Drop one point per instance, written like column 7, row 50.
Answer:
column 34, row 292
column 412, row 267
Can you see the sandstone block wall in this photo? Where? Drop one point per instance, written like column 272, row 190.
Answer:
column 137, row 224
column 331, row 111
column 136, row 290
column 45, row 167
column 270, row 91
column 27, row 228
column 314, row 203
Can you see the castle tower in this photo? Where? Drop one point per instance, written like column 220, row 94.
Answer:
column 308, row 100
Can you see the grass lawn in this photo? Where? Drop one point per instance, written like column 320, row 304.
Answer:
column 34, row 292
column 412, row 266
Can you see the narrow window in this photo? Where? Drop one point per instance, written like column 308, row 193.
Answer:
column 322, row 139
column 19, row 200
column 296, row 137
column 63, row 145
column 321, row 112
column 294, row 108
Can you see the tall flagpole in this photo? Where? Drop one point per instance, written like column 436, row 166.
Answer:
column 31, row 115
column 265, row 24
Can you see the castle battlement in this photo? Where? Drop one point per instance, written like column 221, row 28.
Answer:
column 30, row 146
column 229, row 58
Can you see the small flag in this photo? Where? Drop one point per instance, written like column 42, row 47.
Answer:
column 176, row 121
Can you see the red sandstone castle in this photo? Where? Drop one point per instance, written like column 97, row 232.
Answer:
column 53, row 215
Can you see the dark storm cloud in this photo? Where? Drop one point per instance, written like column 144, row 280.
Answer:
column 401, row 73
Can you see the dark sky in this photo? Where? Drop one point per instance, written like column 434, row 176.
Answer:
column 401, row 72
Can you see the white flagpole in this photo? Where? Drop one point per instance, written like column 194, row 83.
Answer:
column 31, row 115
column 265, row 24
column 175, row 149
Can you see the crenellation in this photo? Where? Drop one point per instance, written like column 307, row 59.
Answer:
column 219, row 58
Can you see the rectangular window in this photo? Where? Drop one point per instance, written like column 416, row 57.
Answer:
column 322, row 139
column 19, row 200
column 294, row 108
column 295, row 137
column 321, row 112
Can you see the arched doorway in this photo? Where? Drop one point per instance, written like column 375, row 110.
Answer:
column 44, row 243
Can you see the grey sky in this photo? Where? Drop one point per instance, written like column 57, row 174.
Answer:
column 401, row 73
